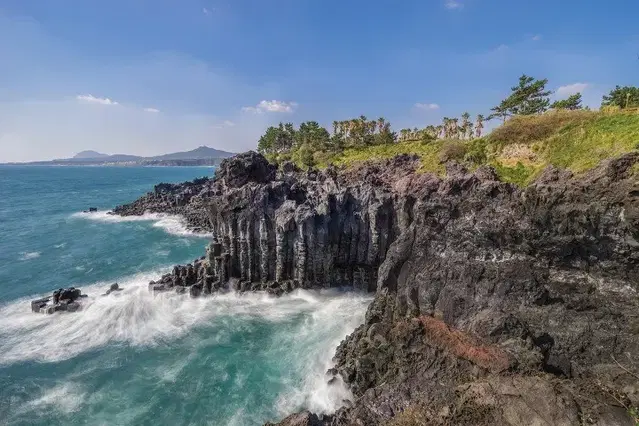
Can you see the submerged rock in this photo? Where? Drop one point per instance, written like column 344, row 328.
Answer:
column 481, row 287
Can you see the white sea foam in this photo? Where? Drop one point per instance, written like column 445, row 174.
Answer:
column 66, row 397
column 29, row 255
column 308, row 327
column 61, row 245
column 172, row 224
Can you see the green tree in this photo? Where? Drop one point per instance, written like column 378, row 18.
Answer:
column 622, row 97
column 277, row 139
column 573, row 102
column 528, row 97
column 311, row 133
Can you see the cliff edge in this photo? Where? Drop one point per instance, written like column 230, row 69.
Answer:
column 494, row 305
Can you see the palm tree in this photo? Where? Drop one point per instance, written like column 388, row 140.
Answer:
column 381, row 121
column 454, row 128
column 446, row 122
column 465, row 125
column 479, row 125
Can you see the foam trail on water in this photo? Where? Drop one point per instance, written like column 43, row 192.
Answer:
column 66, row 397
column 29, row 255
column 306, row 328
column 173, row 224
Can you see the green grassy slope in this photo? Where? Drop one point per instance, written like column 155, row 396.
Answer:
column 523, row 146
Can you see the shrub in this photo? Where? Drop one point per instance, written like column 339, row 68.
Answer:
column 452, row 150
column 528, row 129
column 476, row 152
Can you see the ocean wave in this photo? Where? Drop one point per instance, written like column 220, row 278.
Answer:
column 173, row 224
column 307, row 327
column 29, row 255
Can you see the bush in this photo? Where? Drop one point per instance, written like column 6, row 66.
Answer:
column 476, row 152
column 533, row 128
column 452, row 150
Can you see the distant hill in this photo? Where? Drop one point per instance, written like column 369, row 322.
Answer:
column 196, row 154
column 89, row 154
column 202, row 155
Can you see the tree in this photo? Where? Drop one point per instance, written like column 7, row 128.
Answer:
column 573, row 102
column 312, row 134
column 277, row 139
column 466, row 128
column 528, row 97
column 622, row 97
column 479, row 125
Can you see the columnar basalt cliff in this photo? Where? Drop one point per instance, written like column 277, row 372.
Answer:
column 494, row 304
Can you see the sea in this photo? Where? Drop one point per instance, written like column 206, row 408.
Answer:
column 132, row 358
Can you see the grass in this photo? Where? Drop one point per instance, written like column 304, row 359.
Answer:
column 522, row 147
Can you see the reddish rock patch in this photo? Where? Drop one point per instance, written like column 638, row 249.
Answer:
column 465, row 346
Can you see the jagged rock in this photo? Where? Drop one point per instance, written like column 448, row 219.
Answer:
column 301, row 419
column 475, row 279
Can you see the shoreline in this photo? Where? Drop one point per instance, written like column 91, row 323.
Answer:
column 467, row 271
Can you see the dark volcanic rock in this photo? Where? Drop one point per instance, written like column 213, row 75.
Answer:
column 494, row 304
column 186, row 199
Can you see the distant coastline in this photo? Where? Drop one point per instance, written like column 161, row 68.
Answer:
column 146, row 163
column 201, row 156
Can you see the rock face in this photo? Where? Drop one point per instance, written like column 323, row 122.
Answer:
column 494, row 305
column 186, row 199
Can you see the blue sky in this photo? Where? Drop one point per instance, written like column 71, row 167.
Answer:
column 148, row 77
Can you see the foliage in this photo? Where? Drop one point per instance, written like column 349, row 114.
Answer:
column 576, row 140
column 277, row 139
column 528, row 97
column 452, row 150
column 622, row 97
column 530, row 129
column 573, row 102
column 567, row 136
column 477, row 152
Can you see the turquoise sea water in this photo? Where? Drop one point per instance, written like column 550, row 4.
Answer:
column 132, row 358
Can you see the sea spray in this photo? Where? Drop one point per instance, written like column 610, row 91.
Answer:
column 241, row 345
column 135, row 359
column 172, row 224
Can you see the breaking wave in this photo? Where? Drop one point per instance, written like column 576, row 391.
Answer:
column 305, row 328
column 173, row 224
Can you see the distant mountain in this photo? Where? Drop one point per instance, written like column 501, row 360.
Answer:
column 89, row 154
column 202, row 155
column 196, row 154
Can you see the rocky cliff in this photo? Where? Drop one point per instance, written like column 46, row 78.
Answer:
column 494, row 304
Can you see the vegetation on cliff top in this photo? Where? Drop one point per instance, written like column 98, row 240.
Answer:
column 534, row 134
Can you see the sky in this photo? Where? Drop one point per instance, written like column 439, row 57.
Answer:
column 150, row 77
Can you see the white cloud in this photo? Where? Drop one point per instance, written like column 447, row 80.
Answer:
column 427, row 106
column 151, row 110
column 92, row 99
column 571, row 89
column 206, row 11
column 536, row 37
column 228, row 123
column 271, row 106
column 453, row 4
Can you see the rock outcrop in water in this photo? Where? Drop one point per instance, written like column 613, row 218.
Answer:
column 494, row 304
column 186, row 199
